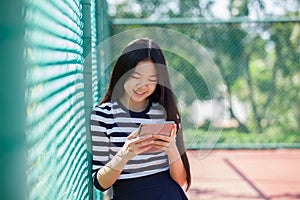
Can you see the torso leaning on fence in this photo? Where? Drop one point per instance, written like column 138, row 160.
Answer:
column 110, row 124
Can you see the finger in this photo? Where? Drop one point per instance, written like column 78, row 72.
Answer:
column 162, row 137
column 143, row 149
column 138, row 148
column 145, row 137
column 160, row 145
column 138, row 140
column 142, row 144
column 174, row 130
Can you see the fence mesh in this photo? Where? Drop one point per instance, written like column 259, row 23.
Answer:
column 56, row 131
column 259, row 63
column 239, row 74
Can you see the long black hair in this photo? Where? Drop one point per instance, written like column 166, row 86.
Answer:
column 143, row 50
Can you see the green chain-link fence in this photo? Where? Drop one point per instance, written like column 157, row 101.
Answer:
column 56, row 69
column 51, row 82
column 54, row 97
column 258, row 60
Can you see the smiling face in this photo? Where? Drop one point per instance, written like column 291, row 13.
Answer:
column 140, row 85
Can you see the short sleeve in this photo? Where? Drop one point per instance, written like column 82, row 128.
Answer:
column 100, row 144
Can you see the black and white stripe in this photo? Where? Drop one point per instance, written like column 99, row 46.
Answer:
column 110, row 124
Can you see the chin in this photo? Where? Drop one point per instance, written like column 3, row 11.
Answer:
column 139, row 99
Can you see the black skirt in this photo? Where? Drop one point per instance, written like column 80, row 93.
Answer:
column 159, row 186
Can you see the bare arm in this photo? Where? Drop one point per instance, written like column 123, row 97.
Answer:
column 177, row 170
column 168, row 144
column 110, row 172
column 133, row 146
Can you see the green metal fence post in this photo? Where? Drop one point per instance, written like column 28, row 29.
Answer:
column 12, row 109
column 88, row 94
column 103, row 33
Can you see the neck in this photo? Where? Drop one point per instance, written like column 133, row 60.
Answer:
column 136, row 107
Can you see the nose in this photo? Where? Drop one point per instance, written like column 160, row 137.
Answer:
column 142, row 83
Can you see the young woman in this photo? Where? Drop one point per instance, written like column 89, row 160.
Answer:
column 139, row 92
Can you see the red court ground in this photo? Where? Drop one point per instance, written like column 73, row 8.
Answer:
column 245, row 174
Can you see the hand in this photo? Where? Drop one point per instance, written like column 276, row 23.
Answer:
column 135, row 145
column 166, row 143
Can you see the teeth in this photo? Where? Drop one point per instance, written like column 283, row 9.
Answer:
column 139, row 92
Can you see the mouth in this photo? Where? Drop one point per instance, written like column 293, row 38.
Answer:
column 139, row 93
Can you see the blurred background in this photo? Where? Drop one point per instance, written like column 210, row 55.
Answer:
column 57, row 57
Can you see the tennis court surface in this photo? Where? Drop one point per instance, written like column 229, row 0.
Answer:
column 245, row 174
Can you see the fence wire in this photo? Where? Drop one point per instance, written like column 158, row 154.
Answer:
column 259, row 63
column 240, row 75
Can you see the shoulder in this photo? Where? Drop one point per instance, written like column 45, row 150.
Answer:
column 103, row 110
column 107, row 110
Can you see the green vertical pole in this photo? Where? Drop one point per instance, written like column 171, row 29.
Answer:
column 104, row 49
column 12, row 107
column 88, row 93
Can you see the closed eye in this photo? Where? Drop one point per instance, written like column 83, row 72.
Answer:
column 153, row 80
column 135, row 77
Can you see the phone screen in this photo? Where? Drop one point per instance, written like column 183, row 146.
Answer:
column 158, row 128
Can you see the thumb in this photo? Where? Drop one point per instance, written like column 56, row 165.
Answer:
column 174, row 130
column 134, row 134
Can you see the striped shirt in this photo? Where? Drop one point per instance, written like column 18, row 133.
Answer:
column 110, row 124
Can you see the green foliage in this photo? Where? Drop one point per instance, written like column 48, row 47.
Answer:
column 274, row 137
column 259, row 62
column 190, row 75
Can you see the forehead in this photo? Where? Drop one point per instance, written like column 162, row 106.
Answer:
column 145, row 68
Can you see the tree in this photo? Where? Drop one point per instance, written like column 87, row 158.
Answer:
column 265, row 56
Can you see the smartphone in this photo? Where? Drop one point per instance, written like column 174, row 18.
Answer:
column 164, row 128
